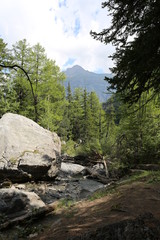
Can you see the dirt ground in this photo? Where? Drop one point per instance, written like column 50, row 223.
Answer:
column 126, row 202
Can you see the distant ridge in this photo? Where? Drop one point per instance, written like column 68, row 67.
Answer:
column 79, row 77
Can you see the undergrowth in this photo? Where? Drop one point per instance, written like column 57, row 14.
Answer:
column 65, row 203
column 148, row 177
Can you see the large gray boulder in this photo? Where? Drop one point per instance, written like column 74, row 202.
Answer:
column 26, row 146
column 18, row 205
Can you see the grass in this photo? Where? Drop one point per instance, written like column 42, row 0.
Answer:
column 102, row 193
column 68, row 206
column 136, row 176
column 154, row 177
column 65, row 203
column 143, row 175
column 149, row 177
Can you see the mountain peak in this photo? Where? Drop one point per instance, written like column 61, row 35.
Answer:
column 75, row 69
column 79, row 77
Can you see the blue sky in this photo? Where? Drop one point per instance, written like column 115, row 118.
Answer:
column 62, row 27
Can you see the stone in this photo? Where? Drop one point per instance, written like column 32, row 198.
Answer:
column 90, row 185
column 14, row 174
column 27, row 147
column 71, row 168
column 21, row 186
column 99, row 167
column 18, row 206
column 53, row 171
column 15, row 203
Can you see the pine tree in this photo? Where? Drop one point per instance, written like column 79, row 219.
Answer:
column 51, row 96
column 7, row 94
column 42, row 98
column 87, row 121
column 138, row 136
column 69, row 93
column 8, row 97
column 110, row 127
column 66, row 126
column 21, row 56
column 134, row 31
column 77, row 114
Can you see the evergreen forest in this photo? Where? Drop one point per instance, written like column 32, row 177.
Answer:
column 31, row 84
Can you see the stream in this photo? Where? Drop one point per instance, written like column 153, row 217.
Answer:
column 74, row 188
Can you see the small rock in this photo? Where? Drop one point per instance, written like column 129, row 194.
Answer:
column 21, row 186
column 33, row 235
column 71, row 168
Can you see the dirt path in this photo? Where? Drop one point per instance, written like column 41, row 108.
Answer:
column 127, row 202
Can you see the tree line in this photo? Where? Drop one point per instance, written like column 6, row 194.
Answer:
column 30, row 96
column 32, row 85
column 129, row 134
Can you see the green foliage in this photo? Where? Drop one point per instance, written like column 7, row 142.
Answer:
column 8, row 98
column 69, row 148
column 110, row 128
column 142, row 175
column 7, row 93
column 138, row 138
column 146, row 176
column 42, row 98
column 83, row 121
column 103, row 192
column 131, row 135
column 92, row 146
column 136, row 176
column 154, row 177
column 134, row 31
column 44, row 95
column 65, row 203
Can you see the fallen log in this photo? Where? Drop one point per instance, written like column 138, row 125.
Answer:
column 93, row 173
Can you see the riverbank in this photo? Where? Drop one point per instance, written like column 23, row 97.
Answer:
column 126, row 199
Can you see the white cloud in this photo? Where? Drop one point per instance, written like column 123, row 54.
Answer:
column 61, row 27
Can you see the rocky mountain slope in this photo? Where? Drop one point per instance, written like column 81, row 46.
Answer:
column 79, row 77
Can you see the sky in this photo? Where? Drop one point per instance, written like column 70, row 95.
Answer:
column 62, row 27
